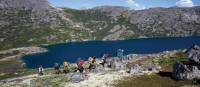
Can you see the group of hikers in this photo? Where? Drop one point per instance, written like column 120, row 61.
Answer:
column 92, row 64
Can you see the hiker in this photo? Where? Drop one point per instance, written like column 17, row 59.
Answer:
column 80, row 63
column 120, row 53
column 94, row 59
column 40, row 70
column 91, row 61
column 94, row 62
column 65, row 67
column 104, row 59
column 57, row 68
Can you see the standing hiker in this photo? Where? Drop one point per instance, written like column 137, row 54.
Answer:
column 40, row 70
column 94, row 59
column 120, row 53
column 65, row 67
column 104, row 59
column 94, row 62
column 80, row 63
column 90, row 61
column 57, row 68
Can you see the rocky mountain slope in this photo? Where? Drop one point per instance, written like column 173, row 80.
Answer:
column 35, row 22
column 25, row 21
column 168, row 21
column 122, row 23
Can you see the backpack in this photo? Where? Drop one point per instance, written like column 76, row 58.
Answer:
column 80, row 62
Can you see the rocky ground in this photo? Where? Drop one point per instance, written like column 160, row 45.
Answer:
column 133, row 65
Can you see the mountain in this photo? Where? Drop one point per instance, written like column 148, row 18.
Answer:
column 31, row 22
column 36, row 22
column 114, row 11
column 168, row 21
column 123, row 23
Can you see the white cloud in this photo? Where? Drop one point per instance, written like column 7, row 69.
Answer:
column 133, row 5
column 185, row 3
column 130, row 2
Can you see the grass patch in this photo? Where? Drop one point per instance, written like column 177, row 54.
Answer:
column 50, row 81
column 161, row 79
column 180, row 56
column 8, row 63
column 14, row 85
column 13, row 68
column 18, row 73
column 154, row 80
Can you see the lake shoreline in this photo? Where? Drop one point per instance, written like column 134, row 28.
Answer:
column 11, row 59
column 72, row 51
column 115, row 40
column 19, row 52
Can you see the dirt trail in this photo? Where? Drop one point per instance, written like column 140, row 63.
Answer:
column 22, row 80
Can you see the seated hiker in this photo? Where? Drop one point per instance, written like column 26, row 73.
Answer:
column 65, row 67
column 57, row 68
column 104, row 59
column 80, row 63
column 40, row 71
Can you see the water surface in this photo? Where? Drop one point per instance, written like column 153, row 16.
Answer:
column 72, row 51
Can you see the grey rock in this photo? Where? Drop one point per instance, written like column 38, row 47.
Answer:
column 179, row 71
column 194, row 54
column 75, row 77
column 118, row 65
column 136, row 69
column 182, row 71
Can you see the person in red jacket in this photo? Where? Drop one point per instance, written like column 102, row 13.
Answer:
column 80, row 63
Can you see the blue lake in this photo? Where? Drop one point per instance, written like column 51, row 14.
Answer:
column 74, row 50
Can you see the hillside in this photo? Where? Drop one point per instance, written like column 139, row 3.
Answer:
column 168, row 21
column 152, row 70
column 28, row 22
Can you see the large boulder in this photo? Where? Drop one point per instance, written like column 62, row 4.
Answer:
column 183, row 71
column 75, row 77
column 194, row 54
column 136, row 69
column 118, row 65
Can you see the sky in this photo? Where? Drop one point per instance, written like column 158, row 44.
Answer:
column 133, row 4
